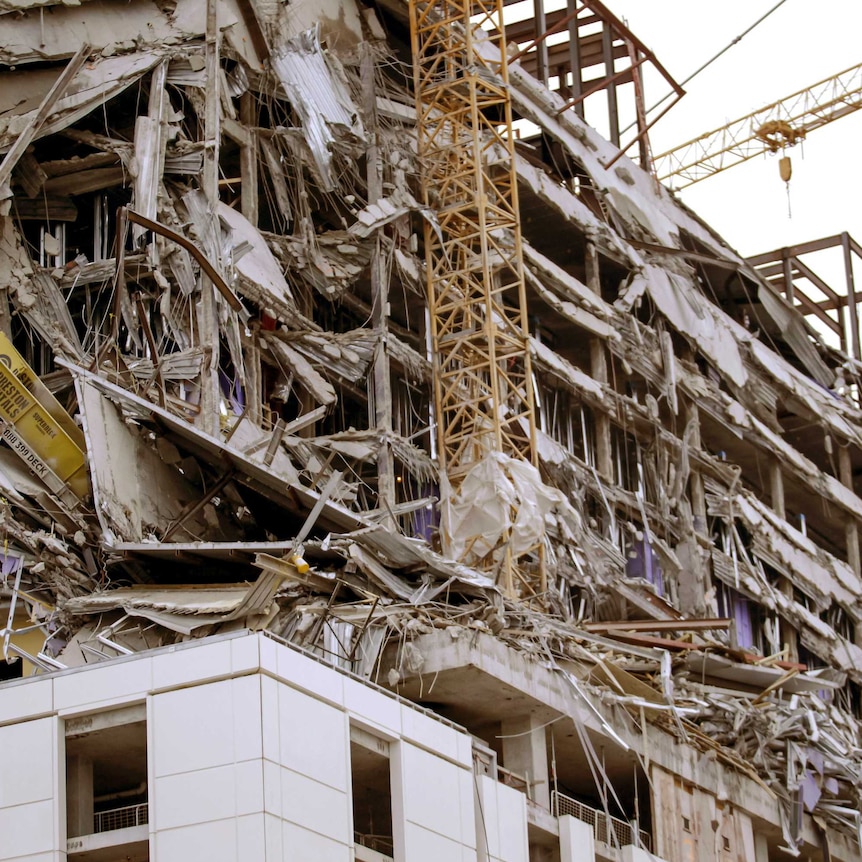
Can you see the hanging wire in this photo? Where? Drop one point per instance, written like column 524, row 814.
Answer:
column 709, row 62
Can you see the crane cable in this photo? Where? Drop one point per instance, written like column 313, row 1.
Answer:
column 709, row 62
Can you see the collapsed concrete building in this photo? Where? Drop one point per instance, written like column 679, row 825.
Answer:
column 221, row 404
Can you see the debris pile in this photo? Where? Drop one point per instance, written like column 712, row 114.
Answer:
column 212, row 294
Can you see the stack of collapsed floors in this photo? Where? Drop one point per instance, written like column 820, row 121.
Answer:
column 218, row 416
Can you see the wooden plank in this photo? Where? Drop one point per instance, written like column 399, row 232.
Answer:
column 30, row 175
column 48, row 208
column 86, row 181
column 649, row 641
column 248, row 158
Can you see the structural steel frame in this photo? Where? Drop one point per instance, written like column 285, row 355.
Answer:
column 605, row 43
column 483, row 388
column 787, row 272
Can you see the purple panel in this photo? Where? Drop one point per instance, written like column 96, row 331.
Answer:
column 642, row 562
column 8, row 564
column 427, row 519
column 741, row 609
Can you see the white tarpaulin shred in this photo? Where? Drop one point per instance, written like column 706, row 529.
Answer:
column 499, row 495
column 258, row 265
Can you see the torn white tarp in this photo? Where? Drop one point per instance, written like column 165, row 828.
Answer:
column 692, row 317
column 795, row 332
column 317, row 89
column 830, row 407
column 499, row 497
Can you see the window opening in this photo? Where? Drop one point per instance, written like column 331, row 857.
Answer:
column 106, row 777
column 372, row 794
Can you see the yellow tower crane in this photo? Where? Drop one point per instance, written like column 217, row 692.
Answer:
column 771, row 129
column 483, row 392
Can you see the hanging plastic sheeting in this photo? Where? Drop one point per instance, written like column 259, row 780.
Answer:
column 500, row 497
column 317, row 89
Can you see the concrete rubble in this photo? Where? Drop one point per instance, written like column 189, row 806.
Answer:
column 188, row 259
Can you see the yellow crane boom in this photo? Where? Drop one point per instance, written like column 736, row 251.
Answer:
column 769, row 129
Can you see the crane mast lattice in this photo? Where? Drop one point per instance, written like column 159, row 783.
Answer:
column 483, row 389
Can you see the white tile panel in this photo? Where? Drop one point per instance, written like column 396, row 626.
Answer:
column 272, row 788
column 250, row 838
column 194, row 797
column 270, row 724
column 309, row 675
column 577, row 843
column 28, row 762
column 512, row 824
column 429, row 733
column 246, row 716
column 207, row 842
column 467, row 800
column 207, row 661
column 205, row 726
column 433, row 794
column 26, row 830
column 304, row 846
column 488, row 815
column 245, row 653
column 268, row 653
column 192, row 729
column 111, row 683
column 208, row 794
column 249, row 787
column 273, row 828
column 465, row 750
column 373, row 706
column 422, row 845
column 313, row 738
column 20, row 702
column 315, row 806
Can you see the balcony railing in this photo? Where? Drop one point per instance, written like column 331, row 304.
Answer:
column 609, row 830
column 381, row 844
column 121, row 818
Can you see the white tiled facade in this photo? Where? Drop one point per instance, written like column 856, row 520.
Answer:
column 248, row 746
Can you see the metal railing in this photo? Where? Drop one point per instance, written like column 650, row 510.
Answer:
column 609, row 830
column 379, row 843
column 121, row 818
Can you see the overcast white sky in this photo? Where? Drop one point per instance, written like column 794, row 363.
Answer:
column 798, row 45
